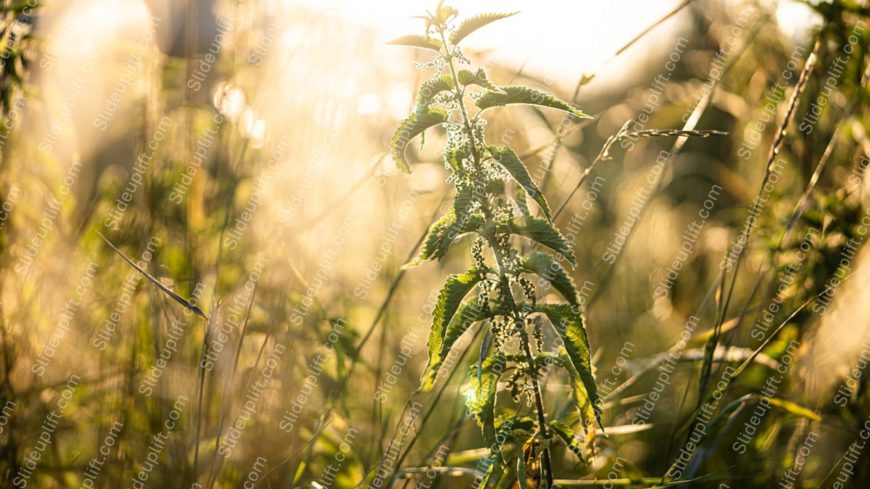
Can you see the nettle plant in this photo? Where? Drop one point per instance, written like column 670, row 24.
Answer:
column 492, row 188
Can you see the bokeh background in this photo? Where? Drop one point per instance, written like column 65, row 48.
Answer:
column 238, row 151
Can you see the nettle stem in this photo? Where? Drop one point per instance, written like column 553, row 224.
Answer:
column 520, row 325
column 505, row 285
column 485, row 205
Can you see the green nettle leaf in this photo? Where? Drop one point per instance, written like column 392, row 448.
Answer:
column 511, row 162
column 488, row 204
column 472, row 24
column 480, row 397
column 451, row 296
column 541, row 231
column 436, row 243
column 517, row 94
column 521, row 202
column 429, row 89
column 467, row 77
column 462, row 320
column 445, row 13
column 456, row 222
column 545, row 266
column 568, row 322
column 410, row 127
column 417, row 41
column 440, row 344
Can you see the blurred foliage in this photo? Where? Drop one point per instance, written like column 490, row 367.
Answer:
column 297, row 264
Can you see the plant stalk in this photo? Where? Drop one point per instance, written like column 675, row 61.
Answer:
column 546, row 464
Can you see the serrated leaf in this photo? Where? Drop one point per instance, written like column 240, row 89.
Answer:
column 541, row 231
column 517, row 169
column 545, row 266
column 442, row 234
column 444, row 332
column 429, row 89
column 454, row 291
column 456, row 222
column 467, row 77
column 572, row 440
column 417, row 41
column 518, row 94
column 480, row 396
column 467, row 315
column 409, row 128
column 445, row 13
column 471, row 24
column 439, row 347
column 436, row 242
column 568, row 322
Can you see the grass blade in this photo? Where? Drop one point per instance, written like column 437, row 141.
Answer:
column 181, row 300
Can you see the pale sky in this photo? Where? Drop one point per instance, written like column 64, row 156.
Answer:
column 558, row 38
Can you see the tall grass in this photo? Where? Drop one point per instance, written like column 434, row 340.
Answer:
column 242, row 318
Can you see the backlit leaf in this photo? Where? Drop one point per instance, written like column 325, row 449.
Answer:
column 546, row 267
column 480, row 396
column 451, row 296
column 439, row 345
column 417, row 41
column 472, row 24
column 467, row 77
column 456, row 222
column 429, row 89
column 454, row 291
column 436, row 243
column 511, row 162
column 568, row 322
column 541, row 231
column 410, row 127
column 517, row 94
